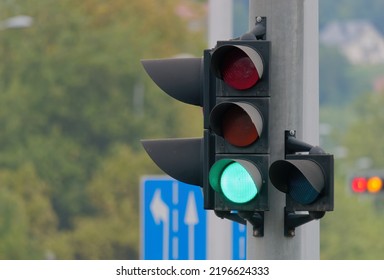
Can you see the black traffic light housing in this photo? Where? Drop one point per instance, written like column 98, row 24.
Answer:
column 200, row 82
column 236, row 125
column 306, row 176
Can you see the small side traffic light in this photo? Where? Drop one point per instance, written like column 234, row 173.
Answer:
column 306, row 179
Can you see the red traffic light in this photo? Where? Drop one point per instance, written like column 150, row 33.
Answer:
column 373, row 184
column 238, row 70
column 240, row 67
column 359, row 184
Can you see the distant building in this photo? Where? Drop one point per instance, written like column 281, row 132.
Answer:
column 358, row 40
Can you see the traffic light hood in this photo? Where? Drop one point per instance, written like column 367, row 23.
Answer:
column 179, row 158
column 178, row 77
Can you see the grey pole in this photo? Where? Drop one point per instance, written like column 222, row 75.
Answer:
column 220, row 21
column 292, row 28
column 219, row 28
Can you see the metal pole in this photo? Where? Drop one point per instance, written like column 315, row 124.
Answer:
column 220, row 23
column 292, row 28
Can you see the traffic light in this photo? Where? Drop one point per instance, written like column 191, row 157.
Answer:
column 236, row 112
column 231, row 83
column 181, row 78
column 368, row 182
column 307, row 180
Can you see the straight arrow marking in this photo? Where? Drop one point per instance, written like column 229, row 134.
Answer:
column 191, row 219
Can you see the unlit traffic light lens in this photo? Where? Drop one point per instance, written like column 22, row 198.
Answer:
column 301, row 190
column 238, row 70
column 302, row 179
column 239, row 123
column 238, row 128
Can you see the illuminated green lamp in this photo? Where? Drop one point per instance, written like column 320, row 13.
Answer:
column 238, row 180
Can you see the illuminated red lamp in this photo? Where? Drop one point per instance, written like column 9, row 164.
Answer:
column 359, row 184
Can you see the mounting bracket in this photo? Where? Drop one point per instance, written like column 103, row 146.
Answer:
column 256, row 219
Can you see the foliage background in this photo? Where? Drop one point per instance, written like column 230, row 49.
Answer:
column 351, row 114
column 74, row 100
column 73, row 103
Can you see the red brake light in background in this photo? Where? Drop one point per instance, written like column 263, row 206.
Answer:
column 359, row 184
column 365, row 184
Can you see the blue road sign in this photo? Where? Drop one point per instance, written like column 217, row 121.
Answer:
column 239, row 232
column 173, row 220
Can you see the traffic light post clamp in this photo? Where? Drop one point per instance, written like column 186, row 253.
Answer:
column 256, row 219
column 258, row 32
column 230, row 216
column 291, row 218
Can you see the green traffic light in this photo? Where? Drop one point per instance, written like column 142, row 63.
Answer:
column 238, row 180
column 237, row 184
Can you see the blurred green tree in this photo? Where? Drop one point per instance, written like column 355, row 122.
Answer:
column 72, row 89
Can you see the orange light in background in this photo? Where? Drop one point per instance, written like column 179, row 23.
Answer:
column 374, row 184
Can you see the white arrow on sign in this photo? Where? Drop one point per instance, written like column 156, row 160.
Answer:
column 191, row 219
column 160, row 213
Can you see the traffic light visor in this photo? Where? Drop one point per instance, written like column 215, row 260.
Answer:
column 238, row 180
column 179, row 158
column 178, row 77
column 240, row 67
